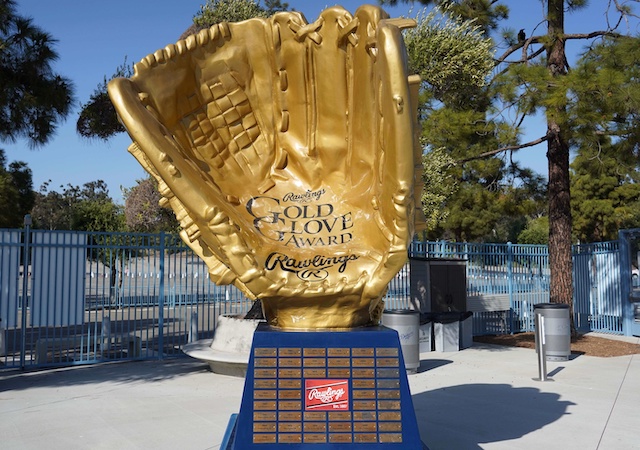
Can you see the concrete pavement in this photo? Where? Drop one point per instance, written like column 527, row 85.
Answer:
column 483, row 397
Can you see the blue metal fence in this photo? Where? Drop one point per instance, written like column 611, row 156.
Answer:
column 597, row 276
column 87, row 297
column 504, row 281
column 81, row 297
column 519, row 276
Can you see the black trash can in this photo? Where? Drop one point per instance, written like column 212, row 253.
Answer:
column 425, row 335
column 466, row 329
column 406, row 323
column 557, row 330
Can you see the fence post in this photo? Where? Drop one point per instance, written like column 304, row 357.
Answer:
column 161, row 300
column 25, row 286
column 193, row 328
column 105, row 335
column 626, row 287
column 510, row 283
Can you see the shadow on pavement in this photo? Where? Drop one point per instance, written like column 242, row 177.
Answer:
column 465, row 416
column 118, row 372
column 430, row 364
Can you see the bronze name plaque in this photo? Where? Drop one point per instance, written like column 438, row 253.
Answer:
column 291, row 386
column 284, row 352
column 315, row 438
column 264, row 352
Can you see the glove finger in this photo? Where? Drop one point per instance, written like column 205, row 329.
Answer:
column 311, row 60
column 293, row 126
column 330, row 75
column 364, row 117
column 394, row 203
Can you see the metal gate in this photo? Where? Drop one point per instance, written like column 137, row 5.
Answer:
column 630, row 277
column 506, row 281
column 597, row 277
column 69, row 297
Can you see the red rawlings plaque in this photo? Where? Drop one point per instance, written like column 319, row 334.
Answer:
column 326, row 395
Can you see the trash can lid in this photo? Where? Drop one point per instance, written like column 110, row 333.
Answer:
column 449, row 316
column 551, row 306
column 426, row 318
column 400, row 311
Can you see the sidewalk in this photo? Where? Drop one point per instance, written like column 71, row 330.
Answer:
column 485, row 397
column 480, row 398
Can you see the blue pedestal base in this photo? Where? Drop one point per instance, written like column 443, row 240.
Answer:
column 325, row 390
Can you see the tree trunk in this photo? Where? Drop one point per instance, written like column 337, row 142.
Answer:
column 560, row 262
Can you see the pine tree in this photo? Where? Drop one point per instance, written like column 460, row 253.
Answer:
column 33, row 97
column 539, row 79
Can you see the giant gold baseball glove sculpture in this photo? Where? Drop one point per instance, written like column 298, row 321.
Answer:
column 287, row 151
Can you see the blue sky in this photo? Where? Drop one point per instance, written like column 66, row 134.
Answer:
column 95, row 36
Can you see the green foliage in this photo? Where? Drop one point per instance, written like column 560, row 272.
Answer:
column 494, row 210
column 440, row 185
column 482, row 200
column 33, row 98
column 536, row 232
column 600, row 97
column 485, row 199
column 485, row 13
column 463, row 133
column 83, row 209
column 101, row 215
column 523, row 87
column 98, row 118
column 16, row 194
column 605, row 194
column 274, row 6
column 453, row 57
column 605, row 94
column 473, row 215
column 604, row 111
column 216, row 11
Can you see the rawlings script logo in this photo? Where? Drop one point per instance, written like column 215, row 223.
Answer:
column 327, row 395
column 304, row 198
column 313, row 269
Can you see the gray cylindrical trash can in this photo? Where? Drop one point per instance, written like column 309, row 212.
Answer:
column 557, row 330
column 406, row 323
